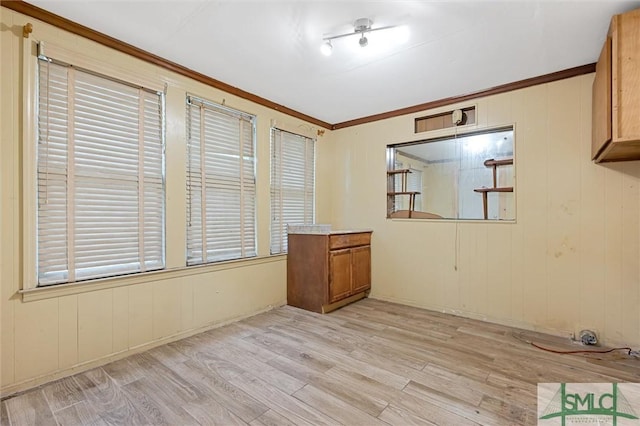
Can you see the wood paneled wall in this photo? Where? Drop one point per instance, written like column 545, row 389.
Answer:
column 571, row 260
column 43, row 339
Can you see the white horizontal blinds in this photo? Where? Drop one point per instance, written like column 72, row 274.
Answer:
column 153, row 178
column 52, row 174
column 100, row 177
column 292, row 184
column 196, row 245
column 221, row 187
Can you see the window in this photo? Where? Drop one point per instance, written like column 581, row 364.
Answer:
column 292, row 184
column 221, row 184
column 100, row 181
column 469, row 176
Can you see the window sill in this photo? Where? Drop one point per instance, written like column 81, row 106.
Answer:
column 451, row 220
column 41, row 293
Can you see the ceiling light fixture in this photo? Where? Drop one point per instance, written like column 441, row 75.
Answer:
column 361, row 27
column 326, row 48
column 363, row 41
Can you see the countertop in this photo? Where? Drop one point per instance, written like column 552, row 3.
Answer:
column 321, row 229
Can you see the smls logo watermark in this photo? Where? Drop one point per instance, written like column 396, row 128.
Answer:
column 588, row 403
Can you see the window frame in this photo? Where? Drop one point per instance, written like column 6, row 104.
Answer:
column 33, row 50
column 78, row 169
column 458, row 137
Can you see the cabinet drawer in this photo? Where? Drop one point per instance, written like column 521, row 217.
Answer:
column 339, row 241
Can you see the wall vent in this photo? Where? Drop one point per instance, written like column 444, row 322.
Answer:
column 443, row 120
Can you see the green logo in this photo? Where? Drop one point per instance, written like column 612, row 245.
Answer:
column 585, row 404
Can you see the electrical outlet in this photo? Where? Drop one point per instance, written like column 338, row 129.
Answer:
column 588, row 337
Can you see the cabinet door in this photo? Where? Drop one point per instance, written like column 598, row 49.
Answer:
column 339, row 274
column 361, row 268
column 601, row 125
column 626, row 80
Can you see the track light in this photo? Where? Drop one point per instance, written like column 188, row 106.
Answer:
column 360, row 27
column 326, row 48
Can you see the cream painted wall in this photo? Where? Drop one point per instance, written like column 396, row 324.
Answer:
column 65, row 332
column 571, row 260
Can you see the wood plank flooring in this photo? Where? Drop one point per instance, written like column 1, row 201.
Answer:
column 369, row 363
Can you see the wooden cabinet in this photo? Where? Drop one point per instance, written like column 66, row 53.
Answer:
column 327, row 271
column 349, row 272
column 339, row 274
column 616, row 92
column 360, row 269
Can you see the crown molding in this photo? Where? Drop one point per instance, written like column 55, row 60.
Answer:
column 521, row 84
column 86, row 32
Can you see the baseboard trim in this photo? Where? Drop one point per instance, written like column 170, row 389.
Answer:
column 26, row 385
column 476, row 316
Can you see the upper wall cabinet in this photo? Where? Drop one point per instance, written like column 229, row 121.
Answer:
column 616, row 92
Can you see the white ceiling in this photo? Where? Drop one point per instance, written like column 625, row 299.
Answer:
column 271, row 48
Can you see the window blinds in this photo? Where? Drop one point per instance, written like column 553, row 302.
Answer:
column 292, row 184
column 221, row 187
column 100, row 176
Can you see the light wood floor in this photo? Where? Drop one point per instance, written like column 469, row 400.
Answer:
column 370, row 363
